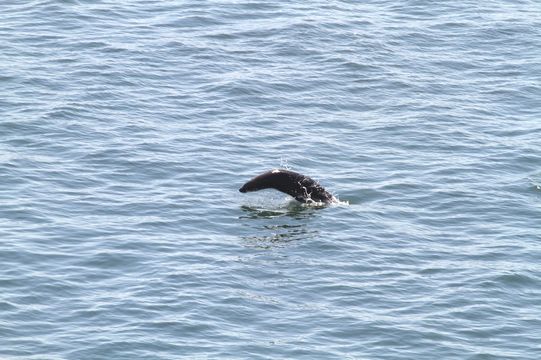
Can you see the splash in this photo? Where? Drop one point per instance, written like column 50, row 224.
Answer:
column 268, row 200
column 284, row 164
column 334, row 203
column 534, row 183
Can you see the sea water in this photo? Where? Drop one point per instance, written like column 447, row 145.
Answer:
column 127, row 128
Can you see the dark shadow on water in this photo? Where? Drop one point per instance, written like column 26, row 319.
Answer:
column 278, row 237
column 295, row 211
column 276, row 227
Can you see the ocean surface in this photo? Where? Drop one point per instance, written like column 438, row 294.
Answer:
column 127, row 128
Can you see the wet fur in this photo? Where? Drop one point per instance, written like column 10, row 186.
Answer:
column 301, row 187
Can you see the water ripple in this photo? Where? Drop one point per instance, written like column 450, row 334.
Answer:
column 128, row 128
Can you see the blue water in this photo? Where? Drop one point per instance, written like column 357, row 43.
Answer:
column 127, row 128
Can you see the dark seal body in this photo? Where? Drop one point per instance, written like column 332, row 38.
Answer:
column 301, row 187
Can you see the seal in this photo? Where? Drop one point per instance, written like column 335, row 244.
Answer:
column 301, row 187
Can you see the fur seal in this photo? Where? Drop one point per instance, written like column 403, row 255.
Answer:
column 301, row 187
